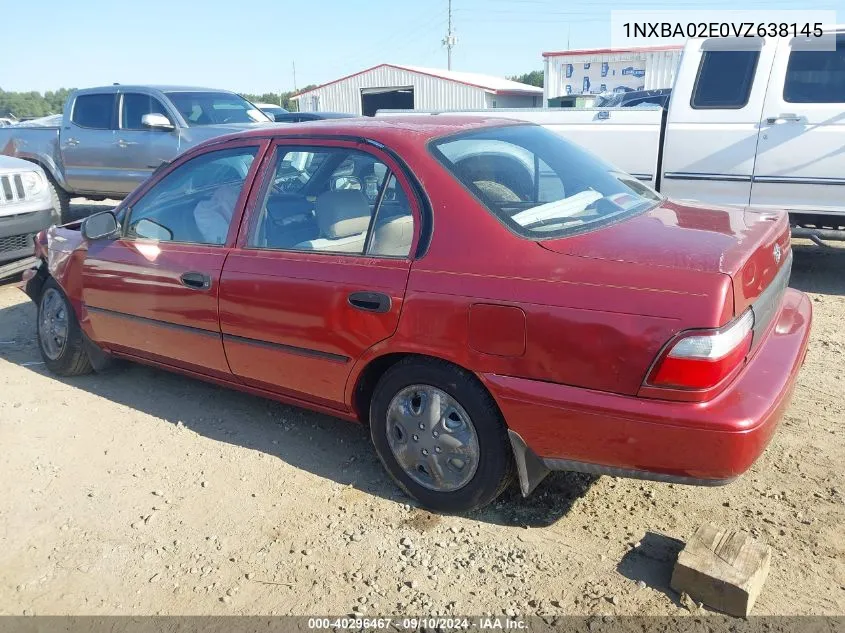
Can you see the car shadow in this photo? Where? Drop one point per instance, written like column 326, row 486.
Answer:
column 320, row 444
column 651, row 561
column 818, row 269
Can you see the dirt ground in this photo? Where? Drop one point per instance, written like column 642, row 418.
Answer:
column 142, row 492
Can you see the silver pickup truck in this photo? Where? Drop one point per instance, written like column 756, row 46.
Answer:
column 111, row 139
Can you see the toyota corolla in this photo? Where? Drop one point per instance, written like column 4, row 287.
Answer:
column 490, row 300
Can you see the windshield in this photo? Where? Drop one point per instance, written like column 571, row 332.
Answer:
column 209, row 108
column 272, row 110
column 539, row 184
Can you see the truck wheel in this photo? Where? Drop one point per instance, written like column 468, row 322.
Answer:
column 440, row 435
column 61, row 202
column 59, row 335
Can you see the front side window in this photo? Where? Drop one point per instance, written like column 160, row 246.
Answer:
column 211, row 108
column 94, row 111
column 333, row 200
column 135, row 106
column 195, row 202
column 724, row 79
column 539, row 184
column 814, row 76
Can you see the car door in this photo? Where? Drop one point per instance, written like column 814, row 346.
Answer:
column 87, row 143
column 800, row 157
column 320, row 270
column 711, row 136
column 153, row 291
column 139, row 150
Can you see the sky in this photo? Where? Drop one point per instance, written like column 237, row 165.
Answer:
column 252, row 46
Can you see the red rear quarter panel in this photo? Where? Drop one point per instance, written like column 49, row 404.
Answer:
column 590, row 323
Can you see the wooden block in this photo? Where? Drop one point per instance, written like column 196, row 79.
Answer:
column 724, row 569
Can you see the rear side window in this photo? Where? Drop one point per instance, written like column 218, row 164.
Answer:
column 94, row 111
column 334, row 200
column 538, row 184
column 814, row 76
column 724, row 79
column 135, row 106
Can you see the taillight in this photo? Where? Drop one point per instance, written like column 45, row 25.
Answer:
column 701, row 359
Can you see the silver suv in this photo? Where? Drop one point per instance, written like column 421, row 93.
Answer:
column 26, row 207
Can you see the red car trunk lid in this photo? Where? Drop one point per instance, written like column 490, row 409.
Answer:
column 751, row 246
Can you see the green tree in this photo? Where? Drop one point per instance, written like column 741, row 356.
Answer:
column 283, row 98
column 534, row 78
column 32, row 104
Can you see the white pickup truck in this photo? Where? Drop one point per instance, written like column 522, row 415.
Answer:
column 759, row 122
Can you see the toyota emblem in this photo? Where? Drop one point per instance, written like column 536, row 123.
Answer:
column 776, row 253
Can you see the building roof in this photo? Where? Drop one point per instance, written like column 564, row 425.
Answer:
column 612, row 51
column 496, row 85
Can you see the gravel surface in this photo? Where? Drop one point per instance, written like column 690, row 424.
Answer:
column 142, row 492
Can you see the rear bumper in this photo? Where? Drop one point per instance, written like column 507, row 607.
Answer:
column 709, row 443
column 17, row 233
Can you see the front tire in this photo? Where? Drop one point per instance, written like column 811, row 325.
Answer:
column 60, row 338
column 440, row 435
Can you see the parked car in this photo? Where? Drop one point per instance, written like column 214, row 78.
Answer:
column 634, row 98
column 299, row 117
column 25, row 209
column 761, row 124
column 270, row 109
column 112, row 138
column 51, row 120
column 614, row 331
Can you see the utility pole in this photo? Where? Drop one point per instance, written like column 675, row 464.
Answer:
column 450, row 40
column 294, row 75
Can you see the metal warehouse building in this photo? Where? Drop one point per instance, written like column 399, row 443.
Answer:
column 592, row 71
column 396, row 87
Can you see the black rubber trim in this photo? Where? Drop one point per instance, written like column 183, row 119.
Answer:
column 290, row 349
column 683, row 175
column 301, row 351
column 166, row 324
column 630, row 473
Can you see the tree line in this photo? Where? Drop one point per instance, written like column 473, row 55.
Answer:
column 32, row 104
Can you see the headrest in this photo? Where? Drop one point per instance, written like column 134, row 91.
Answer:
column 342, row 213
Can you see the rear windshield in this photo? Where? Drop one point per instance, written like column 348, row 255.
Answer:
column 538, row 184
column 210, row 108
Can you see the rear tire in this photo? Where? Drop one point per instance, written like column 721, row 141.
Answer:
column 61, row 202
column 60, row 339
column 440, row 435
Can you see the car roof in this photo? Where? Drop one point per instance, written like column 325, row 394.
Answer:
column 156, row 87
column 388, row 130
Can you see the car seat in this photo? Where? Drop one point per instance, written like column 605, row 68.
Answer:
column 343, row 217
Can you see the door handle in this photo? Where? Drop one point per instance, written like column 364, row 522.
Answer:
column 72, row 142
column 195, row 281
column 784, row 117
column 370, row 301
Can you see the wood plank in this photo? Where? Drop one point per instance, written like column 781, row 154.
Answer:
column 724, row 569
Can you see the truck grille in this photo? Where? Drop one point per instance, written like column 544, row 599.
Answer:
column 15, row 243
column 11, row 189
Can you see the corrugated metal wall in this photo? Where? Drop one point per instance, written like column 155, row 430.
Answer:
column 591, row 74
column 430, row 93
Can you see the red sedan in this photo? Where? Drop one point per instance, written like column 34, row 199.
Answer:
column 488, row 298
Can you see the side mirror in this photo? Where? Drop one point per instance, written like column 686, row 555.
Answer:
column 100, row 226
column 156, row 121
column 151, row 230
